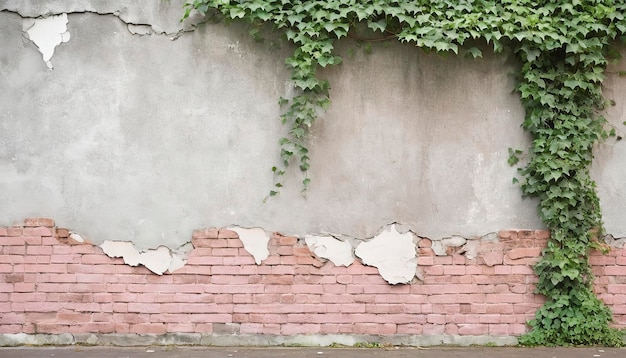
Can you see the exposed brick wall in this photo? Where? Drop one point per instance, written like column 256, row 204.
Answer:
column 50, row 284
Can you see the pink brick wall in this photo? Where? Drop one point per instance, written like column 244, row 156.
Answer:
column 50, row 284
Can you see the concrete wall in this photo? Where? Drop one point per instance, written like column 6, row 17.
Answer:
column 139, row 128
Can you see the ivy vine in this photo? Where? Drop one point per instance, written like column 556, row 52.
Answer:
column 563, row 47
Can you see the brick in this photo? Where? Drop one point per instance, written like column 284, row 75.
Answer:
column 344, row 279
column 227, row 234
column 615, row 270
column 39, row 250
column 17, row 240
column 426, row 260
column 527, row 261
column 234, row 243
column 454, row 270
column 526, row 234
column 443, row 260
column 518, row 253
column 238, row 260
column 502, row 270
column 522, row 270
column 287, row 240
column 24, row 287
column 473, row 329
column 8, row 268
column 284, row 251
column 278, row 279
column 148, row 328
column 61, row 232
column 204, row 243
column 73, row 318
column 542, row 234
column 31, row 222
column 209, row 233
column 491, row 258
column 13, row 231
column 302, row 251
column 504, row 298
column 83, row 248
column 459, row 288
column 617, row 289
column 225, row 251
column 95, row 259
column 37, row 231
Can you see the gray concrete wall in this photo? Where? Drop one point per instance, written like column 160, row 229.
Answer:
column 146, row 129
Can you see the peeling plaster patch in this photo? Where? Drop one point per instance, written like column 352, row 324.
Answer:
column 47, row 33
column 179, row 257
column 123, row 249
column 76, row 237
column 255, row 241
column 176, row 263
column 140, row 29
column 439, row 248
column 328, row 247
column 392, row 253
column 156, row 260
column 492, row 236
column 613, row 242
column 471, row 249
column 454, row 241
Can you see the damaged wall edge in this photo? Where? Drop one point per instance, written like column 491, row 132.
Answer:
column 50, row 30
column 163, row 17
column 57, row 285
column 394, row 253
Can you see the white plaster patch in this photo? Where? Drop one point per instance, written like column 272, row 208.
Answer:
column 454, row 241
column 471, row 249
column 158, row 260
column 47, row 33
column 439, row 248
column 177, row 262
column 328, row 247
column 255, row 241
column 123, row 249
column 392, row 253
column 76, row 237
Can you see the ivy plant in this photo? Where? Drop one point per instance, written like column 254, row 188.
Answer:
column 563, row 48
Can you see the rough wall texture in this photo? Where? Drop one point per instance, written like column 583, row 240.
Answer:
column 125, row 124
column 52, row 284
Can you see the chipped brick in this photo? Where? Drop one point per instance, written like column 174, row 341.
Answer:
column 210, row 233
column 227, row 234
column 492, row 258
column 519, row 253
column 34, row 222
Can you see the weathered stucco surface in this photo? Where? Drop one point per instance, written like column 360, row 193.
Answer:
column 147, row 128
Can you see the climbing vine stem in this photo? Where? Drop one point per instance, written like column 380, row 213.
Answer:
column 562, row 47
